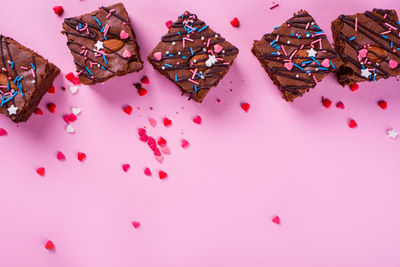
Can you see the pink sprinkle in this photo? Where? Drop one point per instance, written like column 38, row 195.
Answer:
column 283, row 49
column 273, row 6
column 106, row 29
column 33, row 73
column 386, row 32
column 356, row 25
column 147, row 172
column 315, row 80
column 185, row 143
column 385, row 16
column 23, row 68
column 277, row 38
column 152, row 122
column 194, row 73
column 208, row 42
column 308, row 24
column 190, row 80
column 390, row 26
column 294, row 52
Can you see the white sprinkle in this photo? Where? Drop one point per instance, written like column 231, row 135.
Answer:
column 173, row 43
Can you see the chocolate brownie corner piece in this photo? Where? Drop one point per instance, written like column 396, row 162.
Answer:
column 296, row 55
column 25, row 77
column 369, row 45
column 193, row 56
column 103, row 44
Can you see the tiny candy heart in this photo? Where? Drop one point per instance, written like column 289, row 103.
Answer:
column 363, row 53
column 326, row 102
column 60, row 155
column 393, row 64
column 147, row 172
column 217, row 48
column 70, row 76
column 152, row 122
column 128, row 109
column 41, row 171
column 340, row 105
column 185, row 143
column 165, row 150
column 123, row 35
column 58, row 10
column 197, row 120
column 382, row 104
column 125, row 167
column 161, row 141
column 276, row 220
column 235, row 22
column 70, row 129
column 136, row 224
column 141, row 131
column 354, row 87
column 49, row 245
column 162, row 174
column 352, row 124
column 81, row 156
column 38, row 111
column 145, row 80
column 167, row 122
column 143, row 138
column 157, row 56
column 325, row 63
column 168, row 24
column 3, row 132
column 126, row 54
column 160, row 159
column 245, row 106
column 76, row 111
column 74, row 89
column 142, row 91
column 288, row 65
column 52, row 90
column 51, row 107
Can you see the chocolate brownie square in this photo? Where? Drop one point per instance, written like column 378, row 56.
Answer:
column 296, row 55
column 193, row 56
column 103, row 44
column 25, row 77
column 369, row 45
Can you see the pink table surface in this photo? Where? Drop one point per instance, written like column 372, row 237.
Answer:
column 336, row 190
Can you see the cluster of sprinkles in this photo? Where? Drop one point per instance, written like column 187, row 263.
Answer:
column 11, row 81
column 202, row 61
column 106, row 42
column 382, row 43
column 301, row 62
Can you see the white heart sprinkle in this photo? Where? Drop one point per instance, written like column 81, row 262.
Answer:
column 76, row 111
column 73, row 89
column 70, row 129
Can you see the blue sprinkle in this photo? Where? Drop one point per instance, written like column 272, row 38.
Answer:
column 398, row 48
column 292, row 34
column 272, row 43
column 12, row 64
column 195, row 88
column 80, row 26
column 306, row 62
column 299, row 36
column 191, row 51
column 33, row 66
column 176, row 78
column 391, row 44
column 8, row 85
column 315, row 26
column 171, row 55
column 315, row 61
column 102, row 29
column 297, row 66
column 363, row 66
column 276, row 27
column 274, row 53
column 322, row 68
column 2, row 101
column 20, row 78
column 16, row 78
column 105, row 38
column 105, row 59
column 179, row 33
column 98, row 21
column 319, row 32
column 384, row 36
column 202, row 28
column 102, row 67
column 352, row 38
column 333, row 66
column 170, row 66
column 183, row 57
column 88, row 70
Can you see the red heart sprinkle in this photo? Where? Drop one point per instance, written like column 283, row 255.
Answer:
column 52, row 90
column 147, row 172
column 81, row 156
column 38, row 111
column 41, row 171
column 382, row 104
column 70, row 76
column 51, row 107
column 136, row 224
column 151, row 140
column 76, row 81
column 125, row 167
column 60, row 155
column 161, row 141
column 354, row 87
column 167, row 122
column 168, row 24
column 326, row 102
column 49, row 245
column 245, row 106
column 143, row 138
column 352, row 123
column 141, row 131
column 340, row 105
column 69, row 118
column 142, row 91
column 185, row 143
column 157, row 152
column 58, row 10
column 162, row 175
column 128, row 109
column 235, row 22
column 3, row 132
column 197, row 120
column 276, row 220
column 145, row 80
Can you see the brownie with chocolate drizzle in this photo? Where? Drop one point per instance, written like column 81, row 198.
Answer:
column 25, row 77
column 193, row 56
column 103, row 44
column 296, row 55
column 369, row 45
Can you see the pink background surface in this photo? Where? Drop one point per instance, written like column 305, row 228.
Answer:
column 336, row 190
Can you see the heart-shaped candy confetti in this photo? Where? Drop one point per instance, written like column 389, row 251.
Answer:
column 152, row 122
column 276, row 220
column 217, row 48
column 3, row 132
column 125, row 167
column 76, row 111
column 162, row 174
column 235, row 22
column 382, row 104
column 142, row 91
column 126, row 54
column 288, row 65
column 326, row 102
column 141, row 131
column 51, row 107
column 70, row 128
column 49, row 245
column 168, row 24
column 165, row 150
column 245, row 106
column 340, row 105
column 128, row 109
column 393, row 64
column 145, row 80
column 147, row 172
column 354, row 87
column 184, row 143
column 160, row 158
column 60, row 155
column 123, row 35
column 143, row 138
column 167, row 122
column 74, row 89
column 157, row 56
column 41, row 171
column 38, row 111
column 58, row 10
column 352, row 124
column 161, row 141
column 325, row 63
column 197, row 120
column 136, row 224
column 81, row 156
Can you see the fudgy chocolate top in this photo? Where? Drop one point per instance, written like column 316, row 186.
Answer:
column 23, row 74
column 369, row 44
column 103, row 44
column 297, row 55
column 193, row 56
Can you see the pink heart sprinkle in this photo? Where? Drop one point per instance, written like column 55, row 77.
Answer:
column 217, row 48
column 165, row 150
column 393, row 64
column 276, row 220
column 126, row 54
column 136, row 224
column 168, row 24
column 124, row 35
column 185, row 143
column 147, row 172
column 152, row 122
column 288, row 65
column 157, row 56
column 325, row 63
column 160, row 158
column 363, row 53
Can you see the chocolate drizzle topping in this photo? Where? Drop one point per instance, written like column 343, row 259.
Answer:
column 193, row 44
